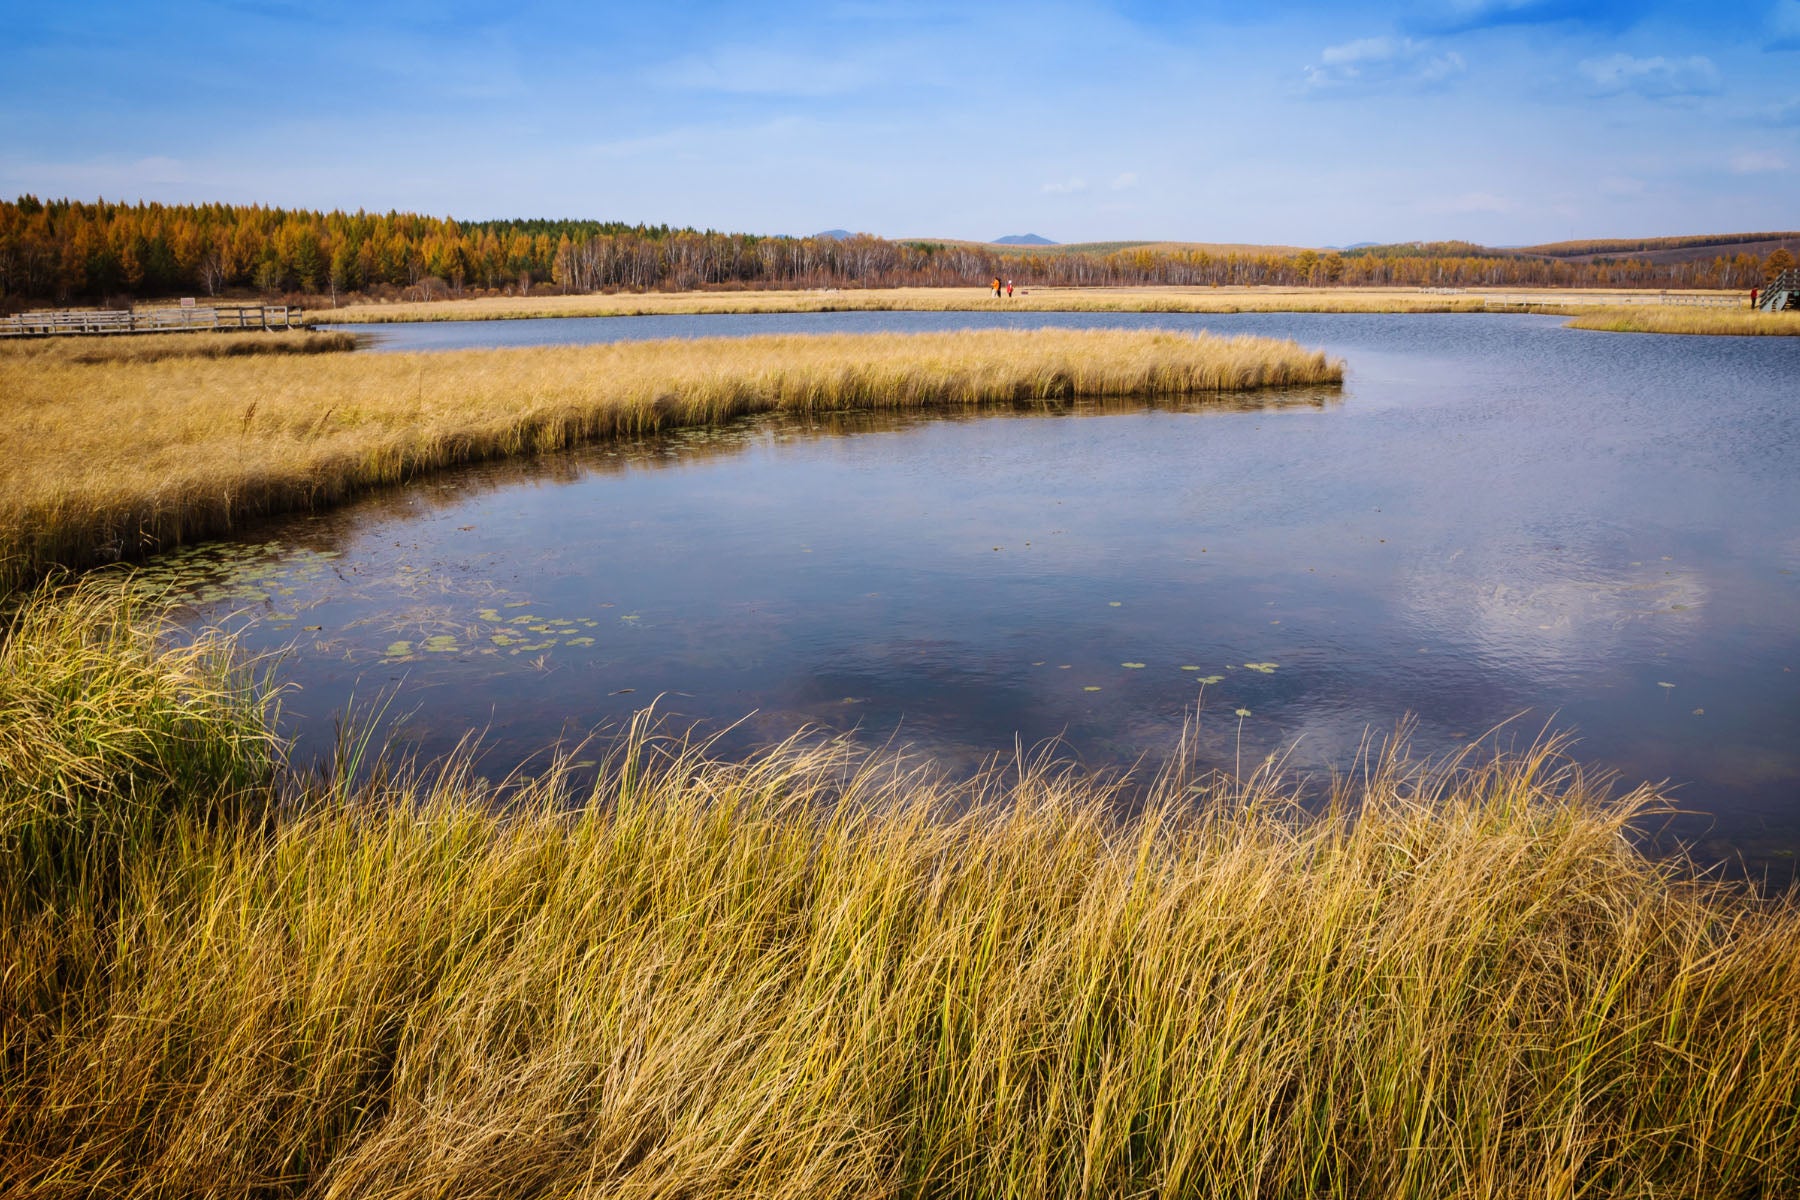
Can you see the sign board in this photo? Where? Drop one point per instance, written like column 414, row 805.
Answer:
column 187, row 302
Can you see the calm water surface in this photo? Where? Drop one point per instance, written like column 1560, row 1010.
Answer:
column 1495, row 518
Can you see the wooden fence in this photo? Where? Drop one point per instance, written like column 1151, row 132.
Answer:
column 51, row 323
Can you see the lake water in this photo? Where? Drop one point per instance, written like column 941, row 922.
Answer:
column 1496, row 518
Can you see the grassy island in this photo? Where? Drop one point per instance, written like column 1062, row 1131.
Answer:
column 1644, row 318
column 815, row 974
column 111, row 458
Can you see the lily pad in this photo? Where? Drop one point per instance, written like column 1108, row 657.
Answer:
column 1262, row 668
column 396, row 649
column 1132, row 666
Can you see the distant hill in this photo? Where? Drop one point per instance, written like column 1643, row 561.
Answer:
column 1697, row 248
column 835, row 234
column 1352, row 246
column 1023, row 239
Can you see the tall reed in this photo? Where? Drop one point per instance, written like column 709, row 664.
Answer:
column 817, row 973
column 109, row 460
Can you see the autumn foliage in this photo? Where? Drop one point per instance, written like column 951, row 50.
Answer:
column 67, row 251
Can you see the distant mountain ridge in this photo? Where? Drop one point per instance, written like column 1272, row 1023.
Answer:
column 1024, row 239
column 836, row 235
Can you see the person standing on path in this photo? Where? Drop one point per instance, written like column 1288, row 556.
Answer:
column 996, row 287
column 1009, row 289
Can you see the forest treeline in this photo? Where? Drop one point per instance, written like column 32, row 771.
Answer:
column 66, row 250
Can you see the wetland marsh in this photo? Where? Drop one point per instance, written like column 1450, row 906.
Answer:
column 1497, row 518
column 820, row 967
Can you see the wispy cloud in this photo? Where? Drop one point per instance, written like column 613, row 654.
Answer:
column 1470, row 202
column 1658, row 78
column 1784, row 25
column 1124, row 181
column 1757, row 162
column 1462, row 16
column 1382, row 60
column 1066, row 187
column 765, row 71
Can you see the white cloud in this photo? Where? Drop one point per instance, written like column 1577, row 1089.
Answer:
column 1066, row 187
column 1756, row 162
column 1657, row 78
column 1386, row 59
column 1124, row 180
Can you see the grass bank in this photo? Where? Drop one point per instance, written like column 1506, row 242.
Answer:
column 143, row 348
column 1659, row 319
column 104, row 460
column 814, row 974
column 1035, row 299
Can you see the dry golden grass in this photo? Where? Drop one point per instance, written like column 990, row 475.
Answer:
column 111, row 459
column 1035, row 299
column 818, row 975
column 148, row 347
column 1670, row 319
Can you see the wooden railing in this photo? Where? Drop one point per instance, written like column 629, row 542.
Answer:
column 1780, row 291
column 50, row 323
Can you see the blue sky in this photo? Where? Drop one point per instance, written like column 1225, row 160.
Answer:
column 1499, row 121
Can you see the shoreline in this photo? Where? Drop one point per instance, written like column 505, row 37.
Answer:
column 1618, row 311
column 117, row 458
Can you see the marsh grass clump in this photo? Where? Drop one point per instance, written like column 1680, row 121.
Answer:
column 824, row 973
column 107, row 730
column 100, row 461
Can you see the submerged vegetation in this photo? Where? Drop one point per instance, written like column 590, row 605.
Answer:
column 108, row 460
column 816, row 973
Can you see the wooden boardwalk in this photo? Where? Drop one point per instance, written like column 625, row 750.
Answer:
column 218, row 317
